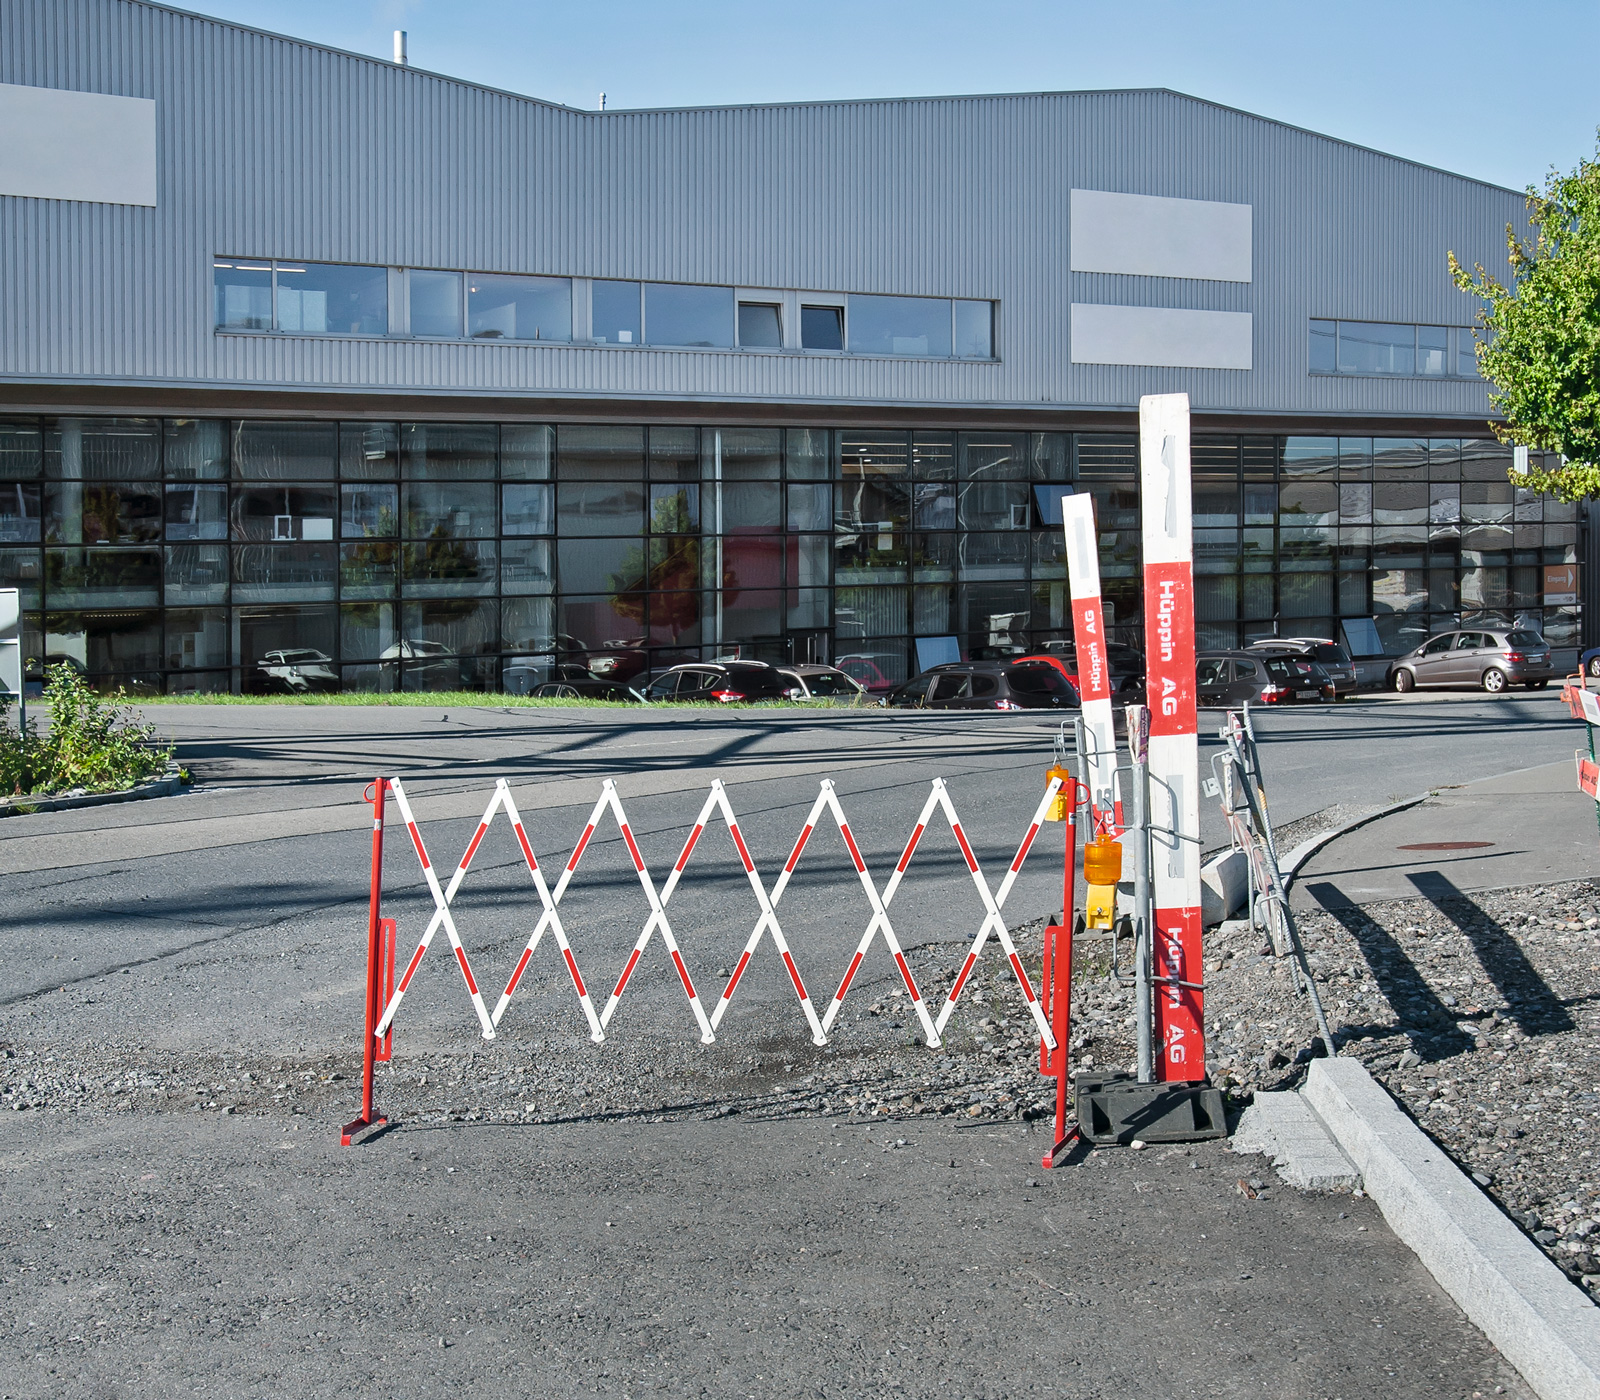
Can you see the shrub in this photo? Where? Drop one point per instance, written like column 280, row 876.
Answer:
column 93, row 743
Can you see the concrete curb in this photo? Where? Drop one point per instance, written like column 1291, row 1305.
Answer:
column 1543, row 1325
column 1284, row 1127
column 166, row 786
column 1309, row 847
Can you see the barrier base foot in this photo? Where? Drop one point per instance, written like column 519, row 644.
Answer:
column 360, row 1125
column 1116, row 1108
column 1057, row 1154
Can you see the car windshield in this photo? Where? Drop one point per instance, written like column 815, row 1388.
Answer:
column 1524, row 639
column 1330, row 653
column 830, row 683
column 297, row 658
column 756, row 680
column 1037, row 680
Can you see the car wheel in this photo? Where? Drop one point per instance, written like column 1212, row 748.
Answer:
column 1404, row 681
column 1494, row 680
column 1594, row 665
column 1537, row 685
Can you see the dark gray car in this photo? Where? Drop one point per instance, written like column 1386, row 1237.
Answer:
column 1491, row 657
column 1225, row 679
column 1329, row 655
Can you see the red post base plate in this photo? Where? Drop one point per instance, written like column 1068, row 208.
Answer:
column 360, row 1125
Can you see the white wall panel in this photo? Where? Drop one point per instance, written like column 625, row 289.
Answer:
column 1161, row 336
column 1152, row 236
column 77, row 145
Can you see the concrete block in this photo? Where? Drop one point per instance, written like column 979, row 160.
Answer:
column 1543, row 1325
column 1224, row 887
column 1282, row 1126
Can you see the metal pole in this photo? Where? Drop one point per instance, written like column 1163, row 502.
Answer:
column 369, row 1050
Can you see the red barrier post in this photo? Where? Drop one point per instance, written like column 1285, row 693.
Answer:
column 1058, row 986
column 371, row 1116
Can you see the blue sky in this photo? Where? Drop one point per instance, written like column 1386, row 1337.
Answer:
column 1498, row 91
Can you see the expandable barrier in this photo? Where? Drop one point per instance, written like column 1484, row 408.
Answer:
column 1049, row 1005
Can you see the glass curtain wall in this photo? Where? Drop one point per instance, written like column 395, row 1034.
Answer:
column 264, row 556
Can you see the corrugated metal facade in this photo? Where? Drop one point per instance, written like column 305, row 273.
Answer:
column 271, row 147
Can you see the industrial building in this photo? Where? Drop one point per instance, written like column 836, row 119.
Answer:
column 321, row 370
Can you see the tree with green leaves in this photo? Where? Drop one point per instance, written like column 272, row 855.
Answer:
column 1540, row 343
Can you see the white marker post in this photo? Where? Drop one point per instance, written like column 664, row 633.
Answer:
column 1094, row 669
column 1174, row 746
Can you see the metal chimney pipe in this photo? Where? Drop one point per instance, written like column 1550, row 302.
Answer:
column 602, row 101
column 400, row 47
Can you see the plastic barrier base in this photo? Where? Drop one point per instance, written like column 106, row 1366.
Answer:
column 1116, row 1108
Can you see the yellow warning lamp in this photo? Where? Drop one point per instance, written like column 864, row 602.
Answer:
column 1057, row 810
column 1102, row 869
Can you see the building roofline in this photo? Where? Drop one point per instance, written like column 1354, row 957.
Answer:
column 821, row 102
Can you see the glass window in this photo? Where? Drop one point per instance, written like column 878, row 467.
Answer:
column 527, row 625
column 600, row 507
column 501, row 307
column 366, row 631
column 22, row 569
column 752, row 454
column 197, row 573
column 674, row 454
column 449, row 510
column 614, row 312
column 1466, row 353
column 974, row 330
column 599, row 453
column 283, row 512
column 994, row 456
column 994, row 505
column 196, row 638
column 265, row 451
column 760, row 326
column 900, row 326
column 19, row 512
column 332, row 299
column 196, row 511
column 808, row 506
column 675, row 508
column 21, row 451
column 369, row 512
column 448, row 451
column 1370, row 347
column 196, row 449
column 103, row 577
column 1310, row 456
column 526, row 451
column 84, row 512
column 267, row 634
column 822, row 327
column 369, row 451
column 692, row 316
column 435, row 302
column 1052, row 457
column 527, row 509
column 369, row 569
column 444, row 566
column 110, row 646
column 1324, row 347
column 809, row 452
column 1433, row 350
column 103, row 449
column 525, row 566
column 243, row 294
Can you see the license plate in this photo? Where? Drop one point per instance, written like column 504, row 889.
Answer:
column 1305, row 695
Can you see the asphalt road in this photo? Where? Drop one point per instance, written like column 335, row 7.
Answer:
column 216, row 939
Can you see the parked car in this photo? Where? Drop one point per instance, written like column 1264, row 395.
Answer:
column 1493, row 658
column 986, row 685
column 721, row 681
column 429, row 665
column 588, row 688
column 1225, row 679
column 1329, row 655
column 822, row 685
column 296, row 671
column 1126, row 666
column 1589, row 662
column 864, row 668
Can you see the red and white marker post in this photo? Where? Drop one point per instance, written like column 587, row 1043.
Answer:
column 1174, row 744
column 1094, row 668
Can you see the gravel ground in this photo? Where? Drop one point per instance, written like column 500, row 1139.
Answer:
column 1478, row 1013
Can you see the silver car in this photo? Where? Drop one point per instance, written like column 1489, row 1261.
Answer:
column 822, row 685
column 1493, row 658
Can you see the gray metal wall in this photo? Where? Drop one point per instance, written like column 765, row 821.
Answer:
column 269, row 147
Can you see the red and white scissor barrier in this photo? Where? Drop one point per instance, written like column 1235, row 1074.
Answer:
column 385, row 997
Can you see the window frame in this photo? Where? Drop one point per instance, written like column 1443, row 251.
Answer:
column 1456, row 338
